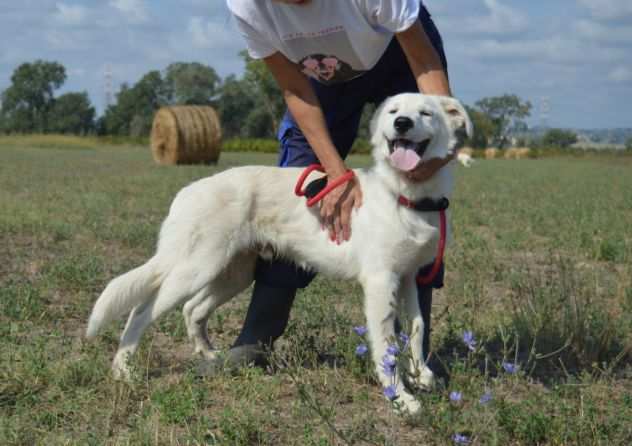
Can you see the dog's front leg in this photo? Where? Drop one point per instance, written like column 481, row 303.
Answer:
column 380, row 311
column 421, row 375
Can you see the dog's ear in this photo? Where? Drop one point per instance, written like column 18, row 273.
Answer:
column 374, row 123
column 457, row 115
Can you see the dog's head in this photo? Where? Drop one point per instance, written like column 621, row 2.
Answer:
column 410, row 128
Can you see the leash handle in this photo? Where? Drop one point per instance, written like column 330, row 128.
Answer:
column 299, row 191
column 427, row 280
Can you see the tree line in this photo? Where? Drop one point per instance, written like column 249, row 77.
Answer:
column 249, row 106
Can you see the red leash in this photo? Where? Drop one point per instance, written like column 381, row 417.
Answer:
column 430, row 205
column 428, row 279
column 298, row 190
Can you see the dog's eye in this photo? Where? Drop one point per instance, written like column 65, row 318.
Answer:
column 425, row 113
column 392, row 112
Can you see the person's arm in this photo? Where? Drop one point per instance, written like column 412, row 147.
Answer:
column 424, row 61
column 431, row 78
column 303, row 104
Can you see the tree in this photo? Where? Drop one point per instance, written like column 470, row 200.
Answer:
column 26, row 103
column 267, row 93
column 136, row 105
column 628, row 144
column 507, row 114
column 71, row 113
column 235, row 103
column 190, row 84
column 559, row 138
column 483, row 129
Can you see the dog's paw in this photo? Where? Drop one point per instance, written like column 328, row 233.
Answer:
column 425, row 380
column 407, row 405
column 121, row 370
column 207, row 353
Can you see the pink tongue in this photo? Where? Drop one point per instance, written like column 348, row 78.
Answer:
column 405, row 159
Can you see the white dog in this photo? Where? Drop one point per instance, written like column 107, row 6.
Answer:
column 218, row 225
column 465, row 159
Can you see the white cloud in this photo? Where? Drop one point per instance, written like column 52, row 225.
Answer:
column 599, row 32
column 69, row 14
column 620, row 75
column 609, row 9
column 209, row 34
column 554, row 50
column 135, row 11
column 62, row 41
column 500, row 19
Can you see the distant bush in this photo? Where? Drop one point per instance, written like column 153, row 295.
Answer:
column 260, row 145
column 55, row 141
column 361, row 146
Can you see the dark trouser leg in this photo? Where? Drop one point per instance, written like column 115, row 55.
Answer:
column 424, row 296
column 267, row 316
column 272, row 298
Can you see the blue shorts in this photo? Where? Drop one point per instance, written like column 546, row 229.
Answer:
column 342, row 105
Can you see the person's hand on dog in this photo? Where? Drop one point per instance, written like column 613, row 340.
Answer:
column 425, row 170
column 336, row 208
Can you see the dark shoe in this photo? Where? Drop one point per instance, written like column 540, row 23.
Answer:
column 266, row 319
column 234, row 359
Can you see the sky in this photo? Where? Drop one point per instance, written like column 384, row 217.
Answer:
column 572, row 59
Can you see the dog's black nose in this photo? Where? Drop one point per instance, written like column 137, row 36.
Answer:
column 403, row 124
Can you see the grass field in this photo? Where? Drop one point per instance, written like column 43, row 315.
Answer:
column 540, row 271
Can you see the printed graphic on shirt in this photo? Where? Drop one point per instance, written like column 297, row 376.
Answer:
column 326, row 68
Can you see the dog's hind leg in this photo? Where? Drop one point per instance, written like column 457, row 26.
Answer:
column 138, row 320
column 380, row 309
column 196, row 312
column 422, row 376
column 178, row 286
column 235, row 278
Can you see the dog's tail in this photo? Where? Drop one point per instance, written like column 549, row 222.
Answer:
column 122, row 294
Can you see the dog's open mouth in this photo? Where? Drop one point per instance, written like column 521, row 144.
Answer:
column 406, row 154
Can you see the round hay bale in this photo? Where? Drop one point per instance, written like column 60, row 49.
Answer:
column 186, row 135
column 491, row 153
column 511, row 154
column 523, row 153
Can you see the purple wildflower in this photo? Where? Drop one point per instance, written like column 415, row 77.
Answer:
column 389, row 364
column 461, row 439
column 486, row 398
column 456, row 397
column 360, row 330
column 390, row 392
column 393, row 350
column 510, row 367
column 361, row 350
column 468, row 339
column 405, row 339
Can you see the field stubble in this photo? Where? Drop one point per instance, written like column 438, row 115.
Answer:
column 539, row 273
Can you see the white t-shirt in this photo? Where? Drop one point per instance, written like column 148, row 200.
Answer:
column 332, row 40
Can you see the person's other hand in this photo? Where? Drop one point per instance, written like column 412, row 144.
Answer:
column 336, row 208
column 427, row 169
